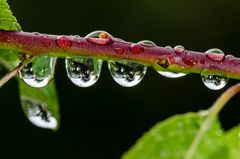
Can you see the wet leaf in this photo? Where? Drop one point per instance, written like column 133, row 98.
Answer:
column 172, row 138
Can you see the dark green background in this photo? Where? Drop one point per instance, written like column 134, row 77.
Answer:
column 103, row 121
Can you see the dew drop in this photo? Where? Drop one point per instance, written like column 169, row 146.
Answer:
column 39, row 115
column 179, row 49
column 39, row 72
column 83, row 72
column 99, row 37
column 126, row 73
column 63, row 42
column 215, row 55
column 119, row 50
column 168, row 47
column 214, row 82
column 147, row 43
column 136, row 49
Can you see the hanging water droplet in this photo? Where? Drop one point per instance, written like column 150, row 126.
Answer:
column 171, row 74
column 147, row 43
column 64, row 42
column 215, row 55
column 83, row 72
column 99, row 37
column 214, row 82
column 39, row 115
column 39, row 72
column 126, row 73
column 179, row 49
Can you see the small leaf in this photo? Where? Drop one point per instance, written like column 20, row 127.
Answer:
column 232, row 139
column 7, row 20
column 172, row 138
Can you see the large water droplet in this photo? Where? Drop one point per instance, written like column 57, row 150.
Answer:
column 147, row 43
column 83, row 72
column 126, row 73
column 39, row 115
column 215, row 55
column 99, row 37
column 39, row 72
column 214, row 82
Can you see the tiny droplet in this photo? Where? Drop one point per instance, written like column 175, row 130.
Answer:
column 179, row 49
column 63, row 42
column 147, row 43
column 99, row 37
column 136, row 49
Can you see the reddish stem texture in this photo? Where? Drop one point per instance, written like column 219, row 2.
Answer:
column 109, row 48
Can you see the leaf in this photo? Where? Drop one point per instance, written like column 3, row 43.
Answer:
column 40, row 105
column 232, row 139
column 172, row 138
column 7, row 20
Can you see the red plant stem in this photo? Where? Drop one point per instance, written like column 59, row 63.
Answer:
column 162, row 59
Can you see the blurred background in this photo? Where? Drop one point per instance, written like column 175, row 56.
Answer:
column 104, row 120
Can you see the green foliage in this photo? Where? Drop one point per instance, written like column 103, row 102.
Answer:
column 7, row 20
column 45, row 97
column 172, row 138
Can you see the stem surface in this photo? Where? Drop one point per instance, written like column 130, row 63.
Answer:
column 162, row 59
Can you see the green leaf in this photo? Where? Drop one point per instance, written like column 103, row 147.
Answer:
column 7, row 20
column 232, row 139
column 172, row 138
column 40, row 105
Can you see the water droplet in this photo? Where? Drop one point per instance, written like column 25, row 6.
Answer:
column 39, row 115
column 83, row 72
column 147, row 43
column 119, row 50
column 214, row 82
column 99, row 37
column 39, row 72
column 215, row 55
column 171, row 74
column 179, row 49
column 136, row 49
column 64, row 42
column 202, row 61
column 126, row 73
column 168, row 47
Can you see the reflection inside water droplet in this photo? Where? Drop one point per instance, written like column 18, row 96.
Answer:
column 39, row 72
column 126, row 73
column 214, row 82
column 39, row 115
column 83, row 72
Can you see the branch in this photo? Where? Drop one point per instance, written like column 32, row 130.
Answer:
column 109, row 48
column 10, row 75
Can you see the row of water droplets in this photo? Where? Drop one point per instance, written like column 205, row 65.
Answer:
column 85, row 71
